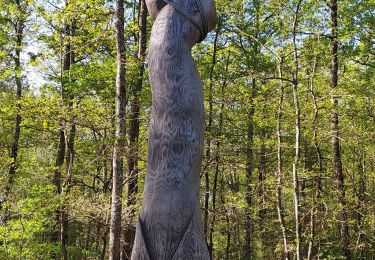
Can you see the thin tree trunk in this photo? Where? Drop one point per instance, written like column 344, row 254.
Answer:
column 316, row 191
column 248, row 250
column 118, row 150
column 69, row 142
column 60, row 157
column 19, row 27
column 61, row 231
column 228, row 226
column 261, row 185
column 248, row 247
column 228, row 244
column 64, row 216
column 279, row 205
column 209, row 133
column 361, row 207
column 214, row 191
column 337, row 163
column 262, row 176
column 104, row 246
column 132, row 173
column 297, row 137
column 217, row 160
column 106, row 178
column 249, row 172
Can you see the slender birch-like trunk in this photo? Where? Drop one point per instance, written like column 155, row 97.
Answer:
column 119, row 146
column 297, row 136
column 280, row 176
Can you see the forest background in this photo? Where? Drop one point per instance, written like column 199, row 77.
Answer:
column 289, row 156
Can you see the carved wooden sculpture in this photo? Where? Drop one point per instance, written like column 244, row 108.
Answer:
column 169, row 225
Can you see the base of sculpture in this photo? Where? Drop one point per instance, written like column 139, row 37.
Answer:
column 191, row 247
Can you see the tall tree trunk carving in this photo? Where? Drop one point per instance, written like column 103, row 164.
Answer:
column 169, row 226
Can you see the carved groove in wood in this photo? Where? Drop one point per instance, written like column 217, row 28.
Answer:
column 169, row 226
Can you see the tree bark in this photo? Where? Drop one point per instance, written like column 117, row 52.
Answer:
column 169, row 226
column 132, row 173
column 337, row 163
column 249, row 172
column 297, row 136
column 19, row 31
column 280, row 176
column 217, row 160
column 61, row 230
column 119, row 146
column 317, row 179
column 261, row 184
column 361, row 206
column 69, row 142
column 209, row 136
column 64, row 216
column 249, row 227
column 60, row 157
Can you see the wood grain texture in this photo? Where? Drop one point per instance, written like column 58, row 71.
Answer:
column 140, row 251
column 169, row 225
column 192, row 245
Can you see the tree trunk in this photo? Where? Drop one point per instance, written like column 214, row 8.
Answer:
column 297, row 137
column 19, row 28
column 209, row 136
column 225, row 209
column 249, row 172
column 228, row 244
column 132, row 173
column 316, row 190
column 217, row 160
column 118, row 150
column 69, row 140
column 64, row 216
column 169, row 226
column 337, row 163
column 104, row 246
column 261, row 184
column 361, row 207
column 61, row 230
column 279, row 205
column 248, row 247
column 60, row 157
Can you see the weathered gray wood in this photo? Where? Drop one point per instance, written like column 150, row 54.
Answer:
column 139, row 249
column 192, row 245
column 169, row 226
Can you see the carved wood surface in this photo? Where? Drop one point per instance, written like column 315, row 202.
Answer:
column 140, row 251
column 169, row 226
column 192, row 245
